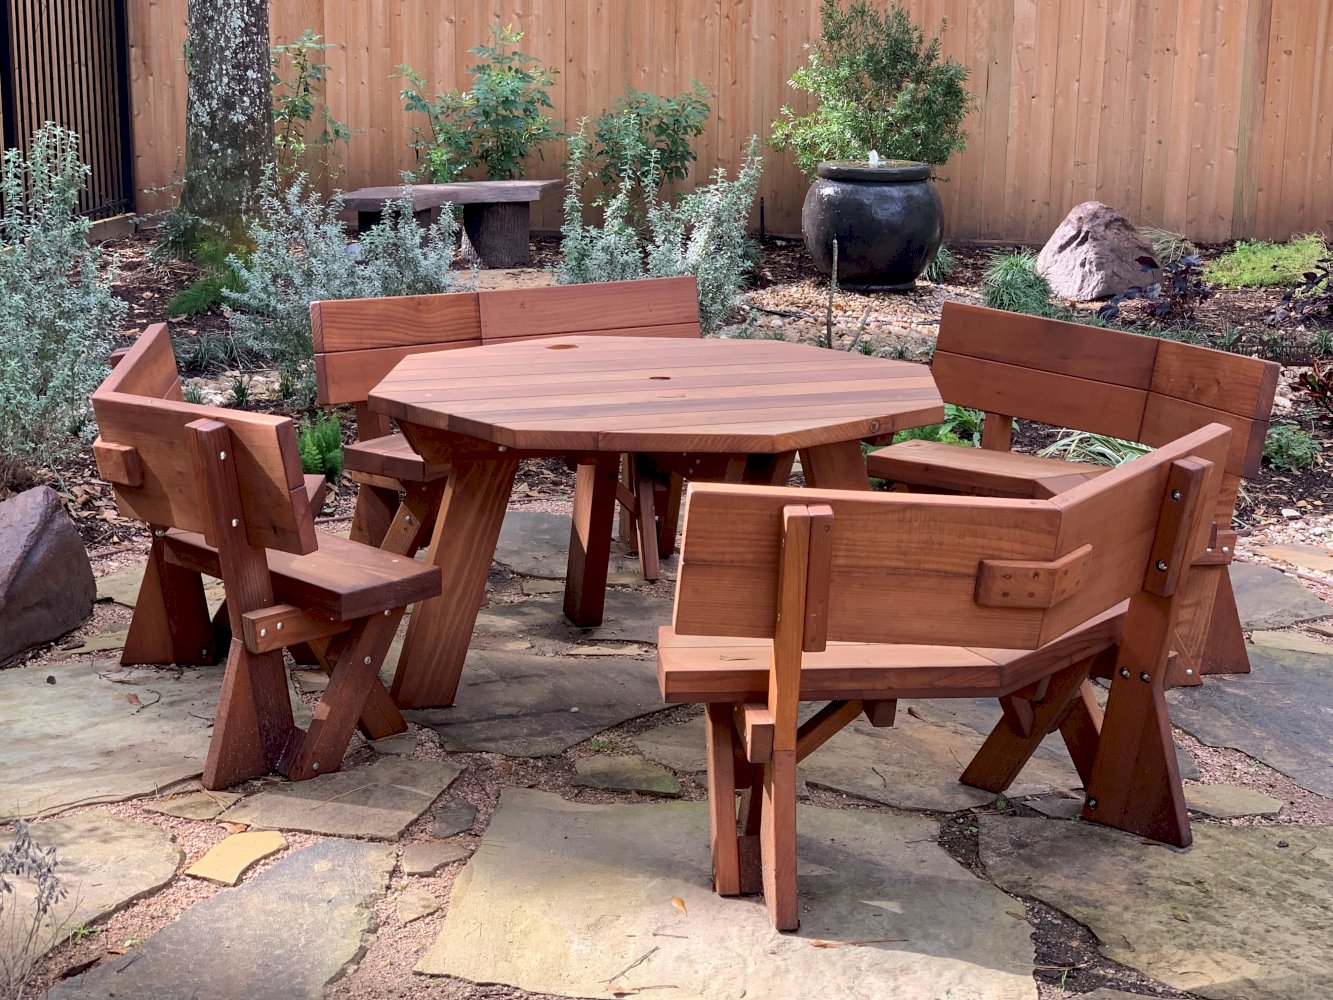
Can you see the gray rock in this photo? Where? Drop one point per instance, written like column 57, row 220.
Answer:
column 524, row 705
column 1230, row 801
column 114, row 640
column 1278, row 715
column 99, row 736
column 1297, row 642
column 284, row 935
column 413, row 904
column 536, row 544
column 592, row 887
column 430, row 856
column 1093, row 254
column 679, row 745
column 1267, row 598
column 625, row 774
column 1056, row 806
column 630, row 616
column 453, row 817
column 1235, row 916
column 105, row 863
column 46, row 581
column 402, row 745
column 379, row 801
column 122, row 586
column 201, row 805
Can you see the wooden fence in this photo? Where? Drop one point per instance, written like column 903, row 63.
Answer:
column 1208, row 117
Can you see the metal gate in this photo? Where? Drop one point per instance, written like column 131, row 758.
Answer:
column 67, row 61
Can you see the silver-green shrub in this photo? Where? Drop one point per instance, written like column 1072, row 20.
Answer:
column 58, row 316
column 301, row 254
column 704, row 234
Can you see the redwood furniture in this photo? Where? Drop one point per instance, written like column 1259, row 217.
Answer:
column 223, row 492
column 704, row 409
column 805, row 595
column 358, row 341
column 1107, row 382
column 496, row 214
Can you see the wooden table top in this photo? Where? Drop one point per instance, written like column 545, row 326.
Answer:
column 648, row 394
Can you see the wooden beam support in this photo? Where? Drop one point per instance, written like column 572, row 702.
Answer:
column 283, row 625
column 754, row 726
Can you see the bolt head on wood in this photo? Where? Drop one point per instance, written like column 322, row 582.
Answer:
column 1092, row 803
column 1176, row 495
column 1124, row 671
column 366, row 661
column 1145, row 677
column 1161, row 566
column 263, row 632
column 222, row 456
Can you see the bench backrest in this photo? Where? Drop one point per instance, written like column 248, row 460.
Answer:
column 1110, row 382
column 144, row 451
column 358, row 341
column 952, row 570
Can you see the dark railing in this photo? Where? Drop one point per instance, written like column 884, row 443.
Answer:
column 67, row 61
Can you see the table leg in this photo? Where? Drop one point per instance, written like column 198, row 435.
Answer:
column 463, row 545
column 590, row 541
column 837, row 466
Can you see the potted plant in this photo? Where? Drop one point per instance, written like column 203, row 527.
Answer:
column 888, row 109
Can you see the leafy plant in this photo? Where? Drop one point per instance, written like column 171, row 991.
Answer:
column 299, row 75
column 321, row 447
column 878, row 84
column 58, row 316
column 217, row 276
column 1318, row 382
column 1099, row 449
column 703, row 234
column 1303, row 303
column 1288, row 447
column 646, row 133
column 26, row 930
column 191, row 393
column 1012, row 283
column 1168, row 247
column 941, row 266
column 1174, row 299
column 301, row 254
column 961, row 426
column 1260, row 264
column 238, row 393
column 496, row 123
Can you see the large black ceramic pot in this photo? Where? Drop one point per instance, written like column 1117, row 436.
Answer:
column 887, row 219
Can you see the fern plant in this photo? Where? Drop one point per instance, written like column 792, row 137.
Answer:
column 58, row 316
column 321, row 447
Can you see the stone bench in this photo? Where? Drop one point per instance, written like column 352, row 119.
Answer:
column 495, row 213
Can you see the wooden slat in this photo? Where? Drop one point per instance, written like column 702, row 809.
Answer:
column 1230, row 383
column 338, row 325
column 1005, row 583
column 152, row 368
column 348, row 377
column 671, row 303
column 978, row 471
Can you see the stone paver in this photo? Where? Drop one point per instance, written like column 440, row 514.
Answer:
column 201, row 805
column 1268, row 598
column 524, row 705
column 625, row 774
column 428, row 857
column 402, row 745
column 631, row 616
column 1295, row 641
column 1278, row 714
column 105, row 863
column 104, row 643
column 536, row 544
column 81, row 738
column 122, row 587
column 378, row 802
column 226, row 862
column 1313, row 557
column 1230, row 801
column 450, row 818
column 284, row 935
column 592, row 889
column 1235, row 917
column 678, row 745
column 413, row 904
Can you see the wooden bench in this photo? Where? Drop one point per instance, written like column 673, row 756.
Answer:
column 223, row 493
column 1106, row 382
column 358, row 341
column 800, row 595
column 496, row 214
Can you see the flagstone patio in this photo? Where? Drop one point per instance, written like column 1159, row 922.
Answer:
column 526, row 837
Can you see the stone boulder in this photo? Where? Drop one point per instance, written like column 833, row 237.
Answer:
column 46, row 581
column 1094, row 254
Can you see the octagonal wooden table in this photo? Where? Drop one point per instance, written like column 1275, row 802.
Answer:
column 728, row 410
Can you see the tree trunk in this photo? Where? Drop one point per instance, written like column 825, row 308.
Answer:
column 229, row 109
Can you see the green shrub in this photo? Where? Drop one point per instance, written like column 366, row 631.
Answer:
column 301, row 255
column 704, row 234
column 1168, row 247
column 878, row 84
column 647, row 134
column 321, row 447
column 942, row 266
column 1012, row 283
column 1099, row 449
column 961, row 426
column 58, row 316
column 298, row 81
column 217, row 276
column 1261, row 265
column 495, row 124
column 1288, row 447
